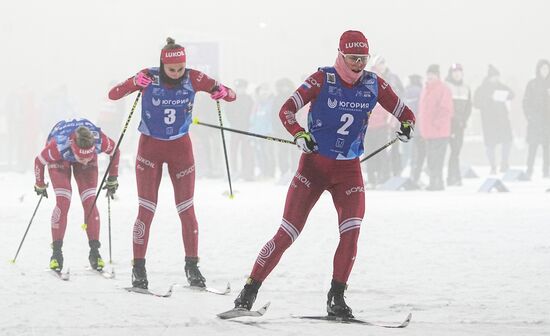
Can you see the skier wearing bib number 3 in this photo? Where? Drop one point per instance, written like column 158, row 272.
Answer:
column 342, row 98
column 167, row 103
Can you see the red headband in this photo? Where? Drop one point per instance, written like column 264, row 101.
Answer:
column 172, row 56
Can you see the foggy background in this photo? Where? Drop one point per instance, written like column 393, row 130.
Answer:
column 60, row 58
column 460, row 263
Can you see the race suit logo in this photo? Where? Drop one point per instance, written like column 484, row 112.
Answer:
column 175, row 54
column 145, row 161
column 346, row 105
column 265, row 253
column 172, row 102
column 185, row 172
column 303, row 179
column 355, row 189
column 290, row 117
column 139, row 232
column 350, row 45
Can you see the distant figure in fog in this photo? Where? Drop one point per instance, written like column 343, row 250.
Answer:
column 411, row 97
column 491, row 98
column 378, row 167
column 240, row 146
column 111, row 115
column 435, row 114
column 286, row 158
column 462, row 105
column 261, row 123
column 381, row 69
column 536, row 106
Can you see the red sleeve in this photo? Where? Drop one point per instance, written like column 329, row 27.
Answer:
column 108, row 147
column 201, row 82
column 48, row 155
column 306, row 93
column 391, row 102
column 125, row 88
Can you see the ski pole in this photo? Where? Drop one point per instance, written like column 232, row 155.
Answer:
column 109, row 221
column 28, row 227
column 261, row 136
column 378, row 150
column 111, row 160
column 224, row 149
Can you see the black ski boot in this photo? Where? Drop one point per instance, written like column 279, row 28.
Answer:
column 194, row 276
column 56, row 260
column 336, row 305
column 139, row 274
column 246, row 298
column 96, row 261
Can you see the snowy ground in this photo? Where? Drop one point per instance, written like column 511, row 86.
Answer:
column 463, row 262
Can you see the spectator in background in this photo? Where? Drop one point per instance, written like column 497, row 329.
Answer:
column 111, row 116
column 28, row 119
column 462, row 105
column 58, row 106
column 436, row 112
column 536, row 106
column 411, row 98
column 381, row 69
column 261, row 123
column 240, row 148
column 377, row 136
column 491, row 98
column 286, row 157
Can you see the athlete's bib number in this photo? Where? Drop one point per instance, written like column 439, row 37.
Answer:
column 169, row 116
column 348, row 120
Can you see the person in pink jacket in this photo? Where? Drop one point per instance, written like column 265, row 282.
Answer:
column 436, row 112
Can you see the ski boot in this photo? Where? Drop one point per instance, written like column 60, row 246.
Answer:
column 246, row 298
column 336, row 305
column 139, row 274
column 96, row 261
column 56, row 260
column 194, row 276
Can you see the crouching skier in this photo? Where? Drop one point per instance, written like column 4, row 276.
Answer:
column 71, row 149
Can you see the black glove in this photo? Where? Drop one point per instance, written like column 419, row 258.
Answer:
column 41, row 191
column 406, row 131
column 111, row 186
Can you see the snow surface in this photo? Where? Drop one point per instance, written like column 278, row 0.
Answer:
column 463, row 262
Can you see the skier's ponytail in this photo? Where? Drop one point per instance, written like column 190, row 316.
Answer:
column 84, row 137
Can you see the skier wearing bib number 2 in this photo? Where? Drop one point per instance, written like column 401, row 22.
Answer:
column 167, row 103
column 342, row 98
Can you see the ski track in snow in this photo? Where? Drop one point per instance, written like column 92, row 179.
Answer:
column 464, row 263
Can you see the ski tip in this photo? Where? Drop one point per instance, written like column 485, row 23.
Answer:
column 407, row 321
column 264, row 308
column 170, row 290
